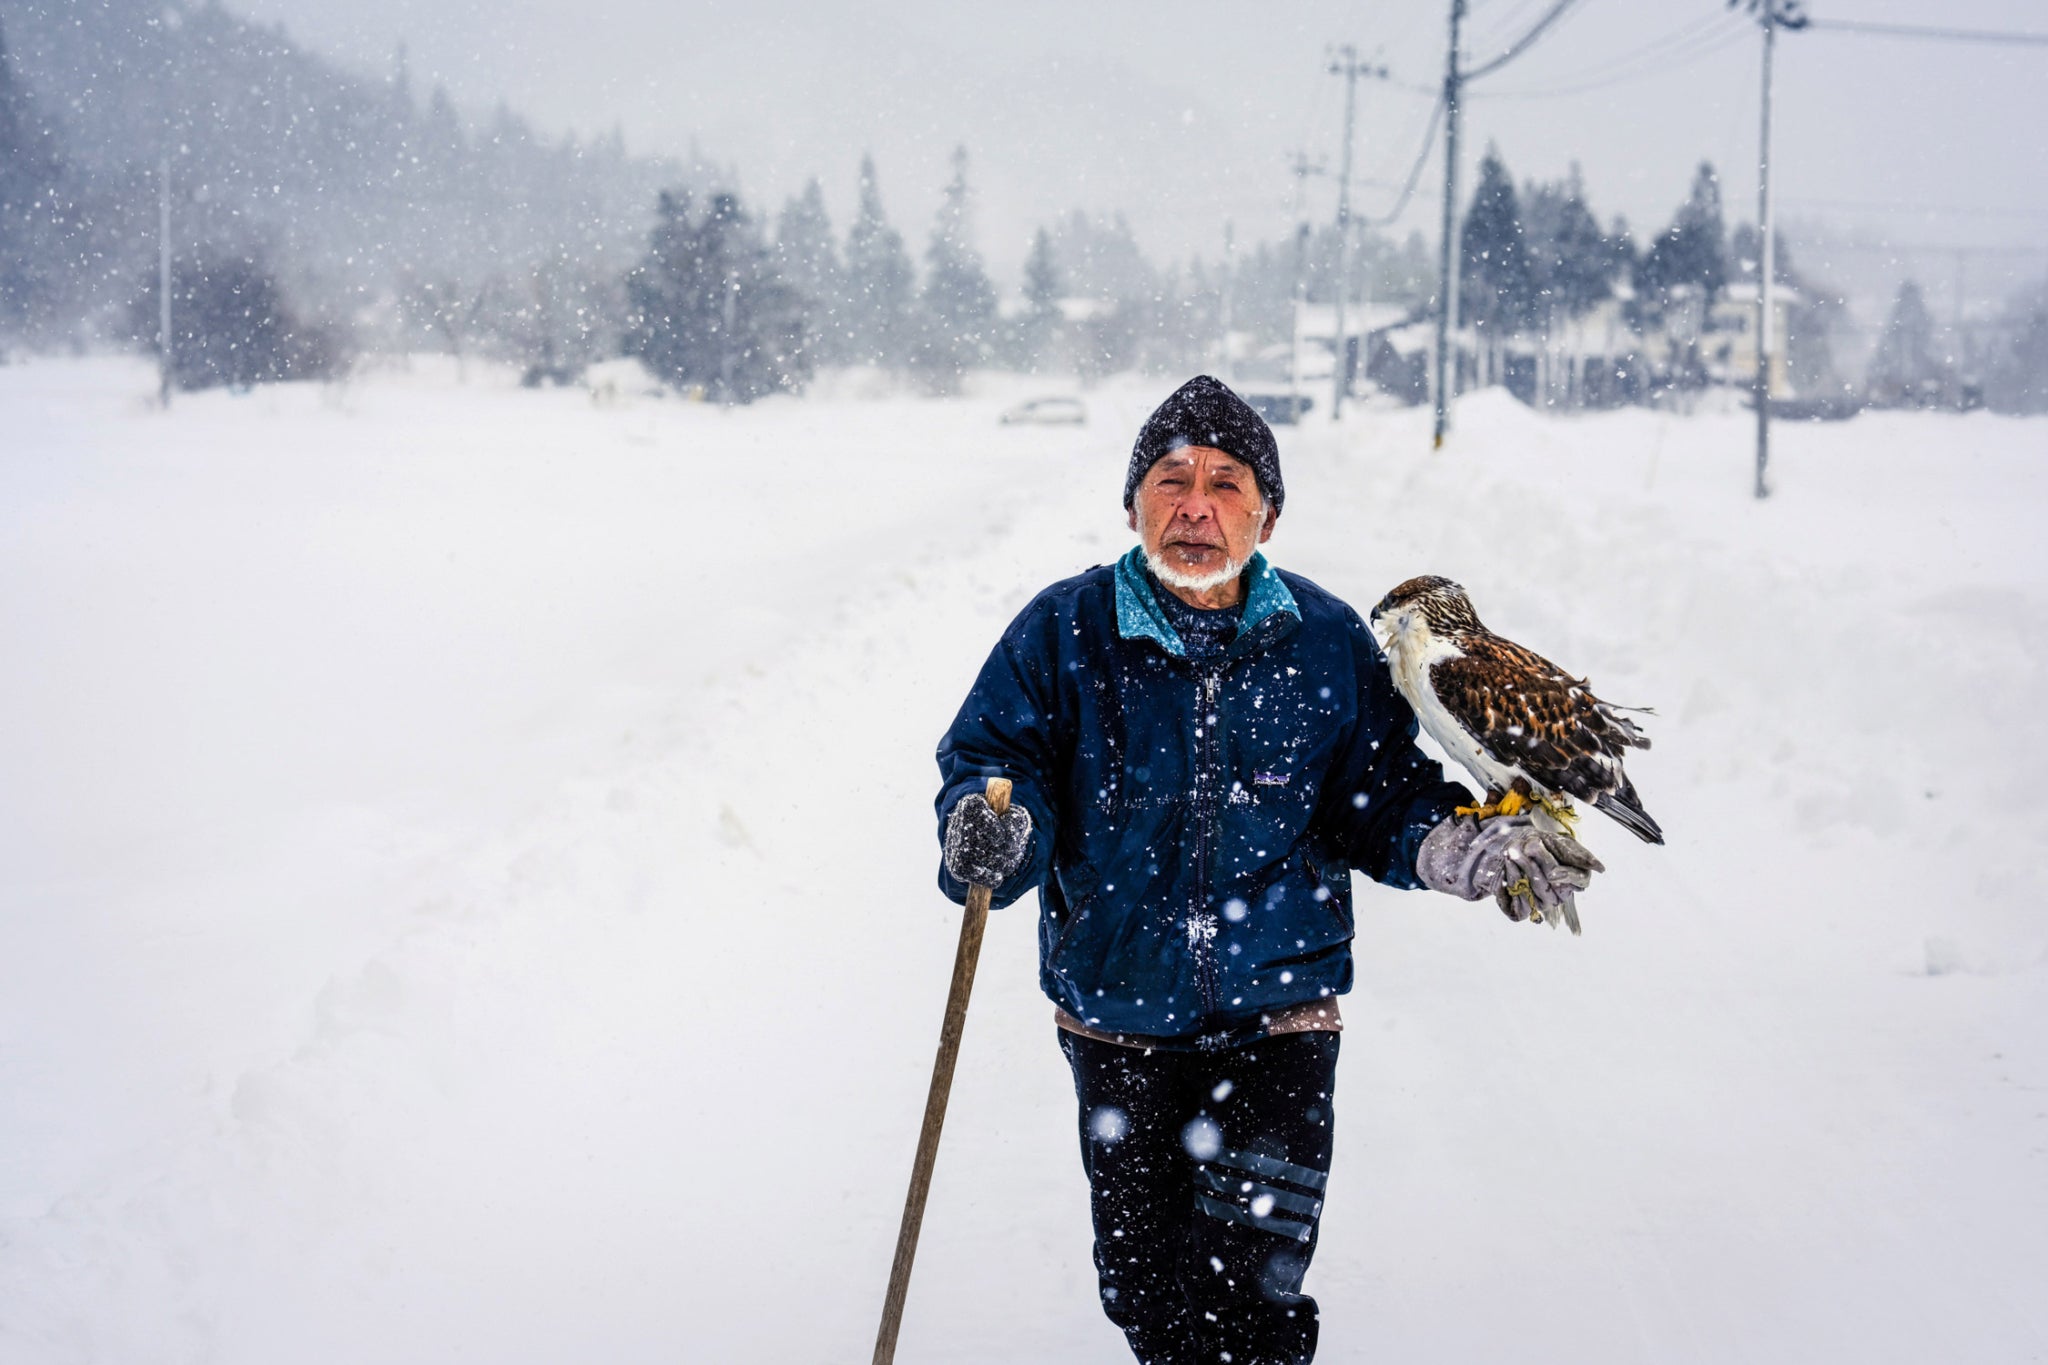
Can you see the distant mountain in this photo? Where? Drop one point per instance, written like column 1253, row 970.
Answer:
column 353, row 186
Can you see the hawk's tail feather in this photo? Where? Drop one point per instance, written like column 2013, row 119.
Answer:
column 1627, row 810
column 1630, row 733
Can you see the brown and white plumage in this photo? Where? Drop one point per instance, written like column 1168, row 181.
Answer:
column 1506, row 713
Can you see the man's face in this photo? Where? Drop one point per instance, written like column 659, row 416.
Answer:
column 1199, row 512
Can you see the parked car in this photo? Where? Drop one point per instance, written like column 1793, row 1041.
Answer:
column 1047, row 412
column 1281, row 409
column 1825, row 408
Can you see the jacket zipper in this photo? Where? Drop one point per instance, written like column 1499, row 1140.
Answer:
column 1202, row 926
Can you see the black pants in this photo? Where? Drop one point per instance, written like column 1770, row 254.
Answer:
column 1207, row 1172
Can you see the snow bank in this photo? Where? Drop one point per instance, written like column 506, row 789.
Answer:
column 469, row 863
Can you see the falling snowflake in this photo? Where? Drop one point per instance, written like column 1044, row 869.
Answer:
column 1109, row 1124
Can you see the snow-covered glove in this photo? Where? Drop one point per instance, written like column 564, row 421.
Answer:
column 983, row 848
column 1524, row 869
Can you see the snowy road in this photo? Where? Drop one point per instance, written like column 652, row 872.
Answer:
column 468, row 887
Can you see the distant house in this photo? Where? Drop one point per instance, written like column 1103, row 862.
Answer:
column 1594, row 360
column 1693, row 345
column 1072, row 309
column 1728, row 346
column 1398, row 359
column 1315, row 337
column 1309, row 359
column 1075, row 310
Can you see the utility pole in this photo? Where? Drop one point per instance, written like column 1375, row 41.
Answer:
column 1772, row 15
column 1301, row 168
column 1447, row 277
column 1229, row 287
column 1765, row 264
column 1347, row 65
column 163, row 281
column 1965, row 353
column 729, row 349
column 1455, row 78
column 173, row 131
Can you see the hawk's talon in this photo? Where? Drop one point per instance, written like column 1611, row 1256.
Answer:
column 1508, row 803
column 1558, row 809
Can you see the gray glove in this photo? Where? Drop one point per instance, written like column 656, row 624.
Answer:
column 983, row 848
column 1528, row 871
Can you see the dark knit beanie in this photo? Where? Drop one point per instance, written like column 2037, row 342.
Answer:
column 1204, row 412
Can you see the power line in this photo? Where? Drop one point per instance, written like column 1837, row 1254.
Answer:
column 1523, row 43
column 1930, row 210
column 1951, row 35
column 1414, row 172
column 1655, row 59
column 1662, row 45
column 1509, row 21
column 1828, row 246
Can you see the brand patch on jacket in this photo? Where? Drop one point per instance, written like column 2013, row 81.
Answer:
column 1270, row 779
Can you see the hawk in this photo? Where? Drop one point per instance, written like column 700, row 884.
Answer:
column 1527, row 730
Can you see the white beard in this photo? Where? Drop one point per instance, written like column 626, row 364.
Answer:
column 1194, row 582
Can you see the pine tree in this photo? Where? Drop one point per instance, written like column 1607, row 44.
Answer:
column 1573, row 259
column 1042, row 275
column 807, row 260
column 1745, row 257
column 1575, row 268
column 958, row 308
column 29, row 174
column 443, row 138
column 706, row 311
column 2017, row 381
column 1101, row 259
column 1035, row 331
column 1693, row 251
column 879, row 281
column 232, row 326
column 1908, row 368
column 1497, row 281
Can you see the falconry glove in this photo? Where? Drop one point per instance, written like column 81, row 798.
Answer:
column 1525, row 869
column 983, row 848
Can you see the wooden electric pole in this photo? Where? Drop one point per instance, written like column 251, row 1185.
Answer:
column 1772, row 15
column 1224, row 302
column 1447, row 275
column 163, row 281
column 1301, row 168
column 1455, row 77
column 1347, row 65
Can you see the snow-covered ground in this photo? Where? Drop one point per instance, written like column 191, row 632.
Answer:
column 466, row 861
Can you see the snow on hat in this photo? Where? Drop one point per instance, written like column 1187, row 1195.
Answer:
column 1204, row 412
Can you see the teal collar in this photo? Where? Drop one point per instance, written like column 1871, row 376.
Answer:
column 1140, row 617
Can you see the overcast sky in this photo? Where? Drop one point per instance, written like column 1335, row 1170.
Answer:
column 1185, row 114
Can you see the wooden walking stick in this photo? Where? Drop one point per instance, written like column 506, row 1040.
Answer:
column 969, row 952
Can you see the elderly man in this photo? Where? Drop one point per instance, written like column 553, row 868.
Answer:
column 1202, row 748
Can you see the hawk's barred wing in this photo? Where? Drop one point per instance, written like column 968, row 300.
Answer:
column 1530, row 714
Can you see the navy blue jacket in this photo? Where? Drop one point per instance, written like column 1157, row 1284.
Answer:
column 1194, row 822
